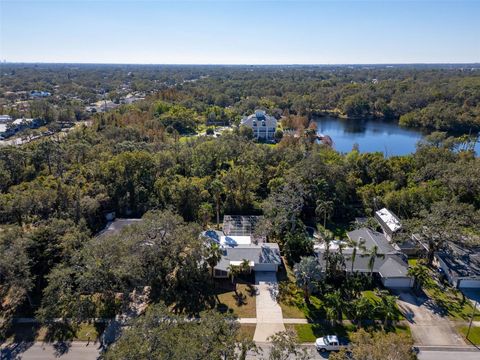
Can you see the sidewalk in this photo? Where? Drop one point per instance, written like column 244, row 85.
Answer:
column 285, row 321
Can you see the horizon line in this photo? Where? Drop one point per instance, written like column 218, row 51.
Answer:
column 238, row 64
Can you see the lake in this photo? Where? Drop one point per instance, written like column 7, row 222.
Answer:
column 370, row 135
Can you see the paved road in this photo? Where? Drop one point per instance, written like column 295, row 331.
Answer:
column 427, row 326
column 41, row 351
column 448, row 355
column 269, row 313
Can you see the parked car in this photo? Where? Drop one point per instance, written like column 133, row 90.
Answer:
column 330, row 343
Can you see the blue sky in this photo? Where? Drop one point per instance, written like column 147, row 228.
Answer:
column 240, row 32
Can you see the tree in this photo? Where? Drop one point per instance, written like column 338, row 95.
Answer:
column 160, row 334
column 296, row 245
column 389, row 308
column 361, row 309
column 372, row 257
column 325, row 208
column 307, row 273
column 285, row 346
column 16, row 279
column 356, row 245
column 377, row 346
column 284, row 206
column 205, row 213
column 420, row 274
column 214, row 255
column 335, row 303
column 445, row 222
column 217, row 189
column 234, row 271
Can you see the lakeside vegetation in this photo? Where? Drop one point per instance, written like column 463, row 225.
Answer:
column 136, row 160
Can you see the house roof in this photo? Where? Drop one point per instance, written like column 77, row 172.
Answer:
column 372, row 238
column 460, row 261
column 258, row 254
column 388, row 219
column 389, row 266
column 260, row 117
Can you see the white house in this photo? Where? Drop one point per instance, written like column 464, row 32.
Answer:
column 239, row 243
column 263, row 125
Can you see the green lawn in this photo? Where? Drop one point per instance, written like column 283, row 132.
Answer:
column 452, row 302
column 246, row 331
column 29, row 332
column 307, row 333
column 473, row 337
column 228, row 301
column 292, row 311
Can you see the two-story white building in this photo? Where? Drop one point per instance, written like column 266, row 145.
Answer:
column 263, row 125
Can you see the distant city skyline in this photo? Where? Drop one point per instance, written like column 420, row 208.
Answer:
column 240, row 32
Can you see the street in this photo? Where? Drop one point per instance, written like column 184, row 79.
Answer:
column 41, row 351
column 448, row 355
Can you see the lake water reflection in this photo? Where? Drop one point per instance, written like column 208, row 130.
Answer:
column 370, row 135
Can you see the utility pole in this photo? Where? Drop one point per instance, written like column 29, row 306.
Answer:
column 471, row 319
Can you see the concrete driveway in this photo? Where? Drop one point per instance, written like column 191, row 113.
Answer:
column 428, row 326
column 269, row 313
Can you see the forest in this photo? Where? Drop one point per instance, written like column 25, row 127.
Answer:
column 135, row 161
column 432, row 97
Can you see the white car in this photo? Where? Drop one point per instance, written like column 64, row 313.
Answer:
column 329, row 343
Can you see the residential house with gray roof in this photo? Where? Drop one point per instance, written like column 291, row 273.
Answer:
column 238, row 243
column 461, row 266
column 390, row 265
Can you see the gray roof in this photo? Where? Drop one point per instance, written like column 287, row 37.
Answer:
column 461, row 262
column 390, row 266
column 260, row 118
column 259, row 254
column 372, row 238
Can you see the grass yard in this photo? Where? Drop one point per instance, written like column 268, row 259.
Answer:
column 473, row 337
column 243, row 306
column 36, row 332
column 291, row 311
column 246, row 331
column 451, row 301
column 308, row 333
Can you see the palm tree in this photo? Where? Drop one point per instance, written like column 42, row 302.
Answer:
column 362, row 309
column 214, row 256
column 335, row 301
column 324, row 207
column 389, row 309
column 420, row 274
column 373, row 254
column 217, row 189
column 357, row 245
column 307, row 273
column 236, row 270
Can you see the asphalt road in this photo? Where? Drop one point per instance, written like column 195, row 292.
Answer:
column 448, row 355
column 79, row 351
column 41, row 351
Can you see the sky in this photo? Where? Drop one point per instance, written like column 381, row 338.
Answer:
column 240, row 32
